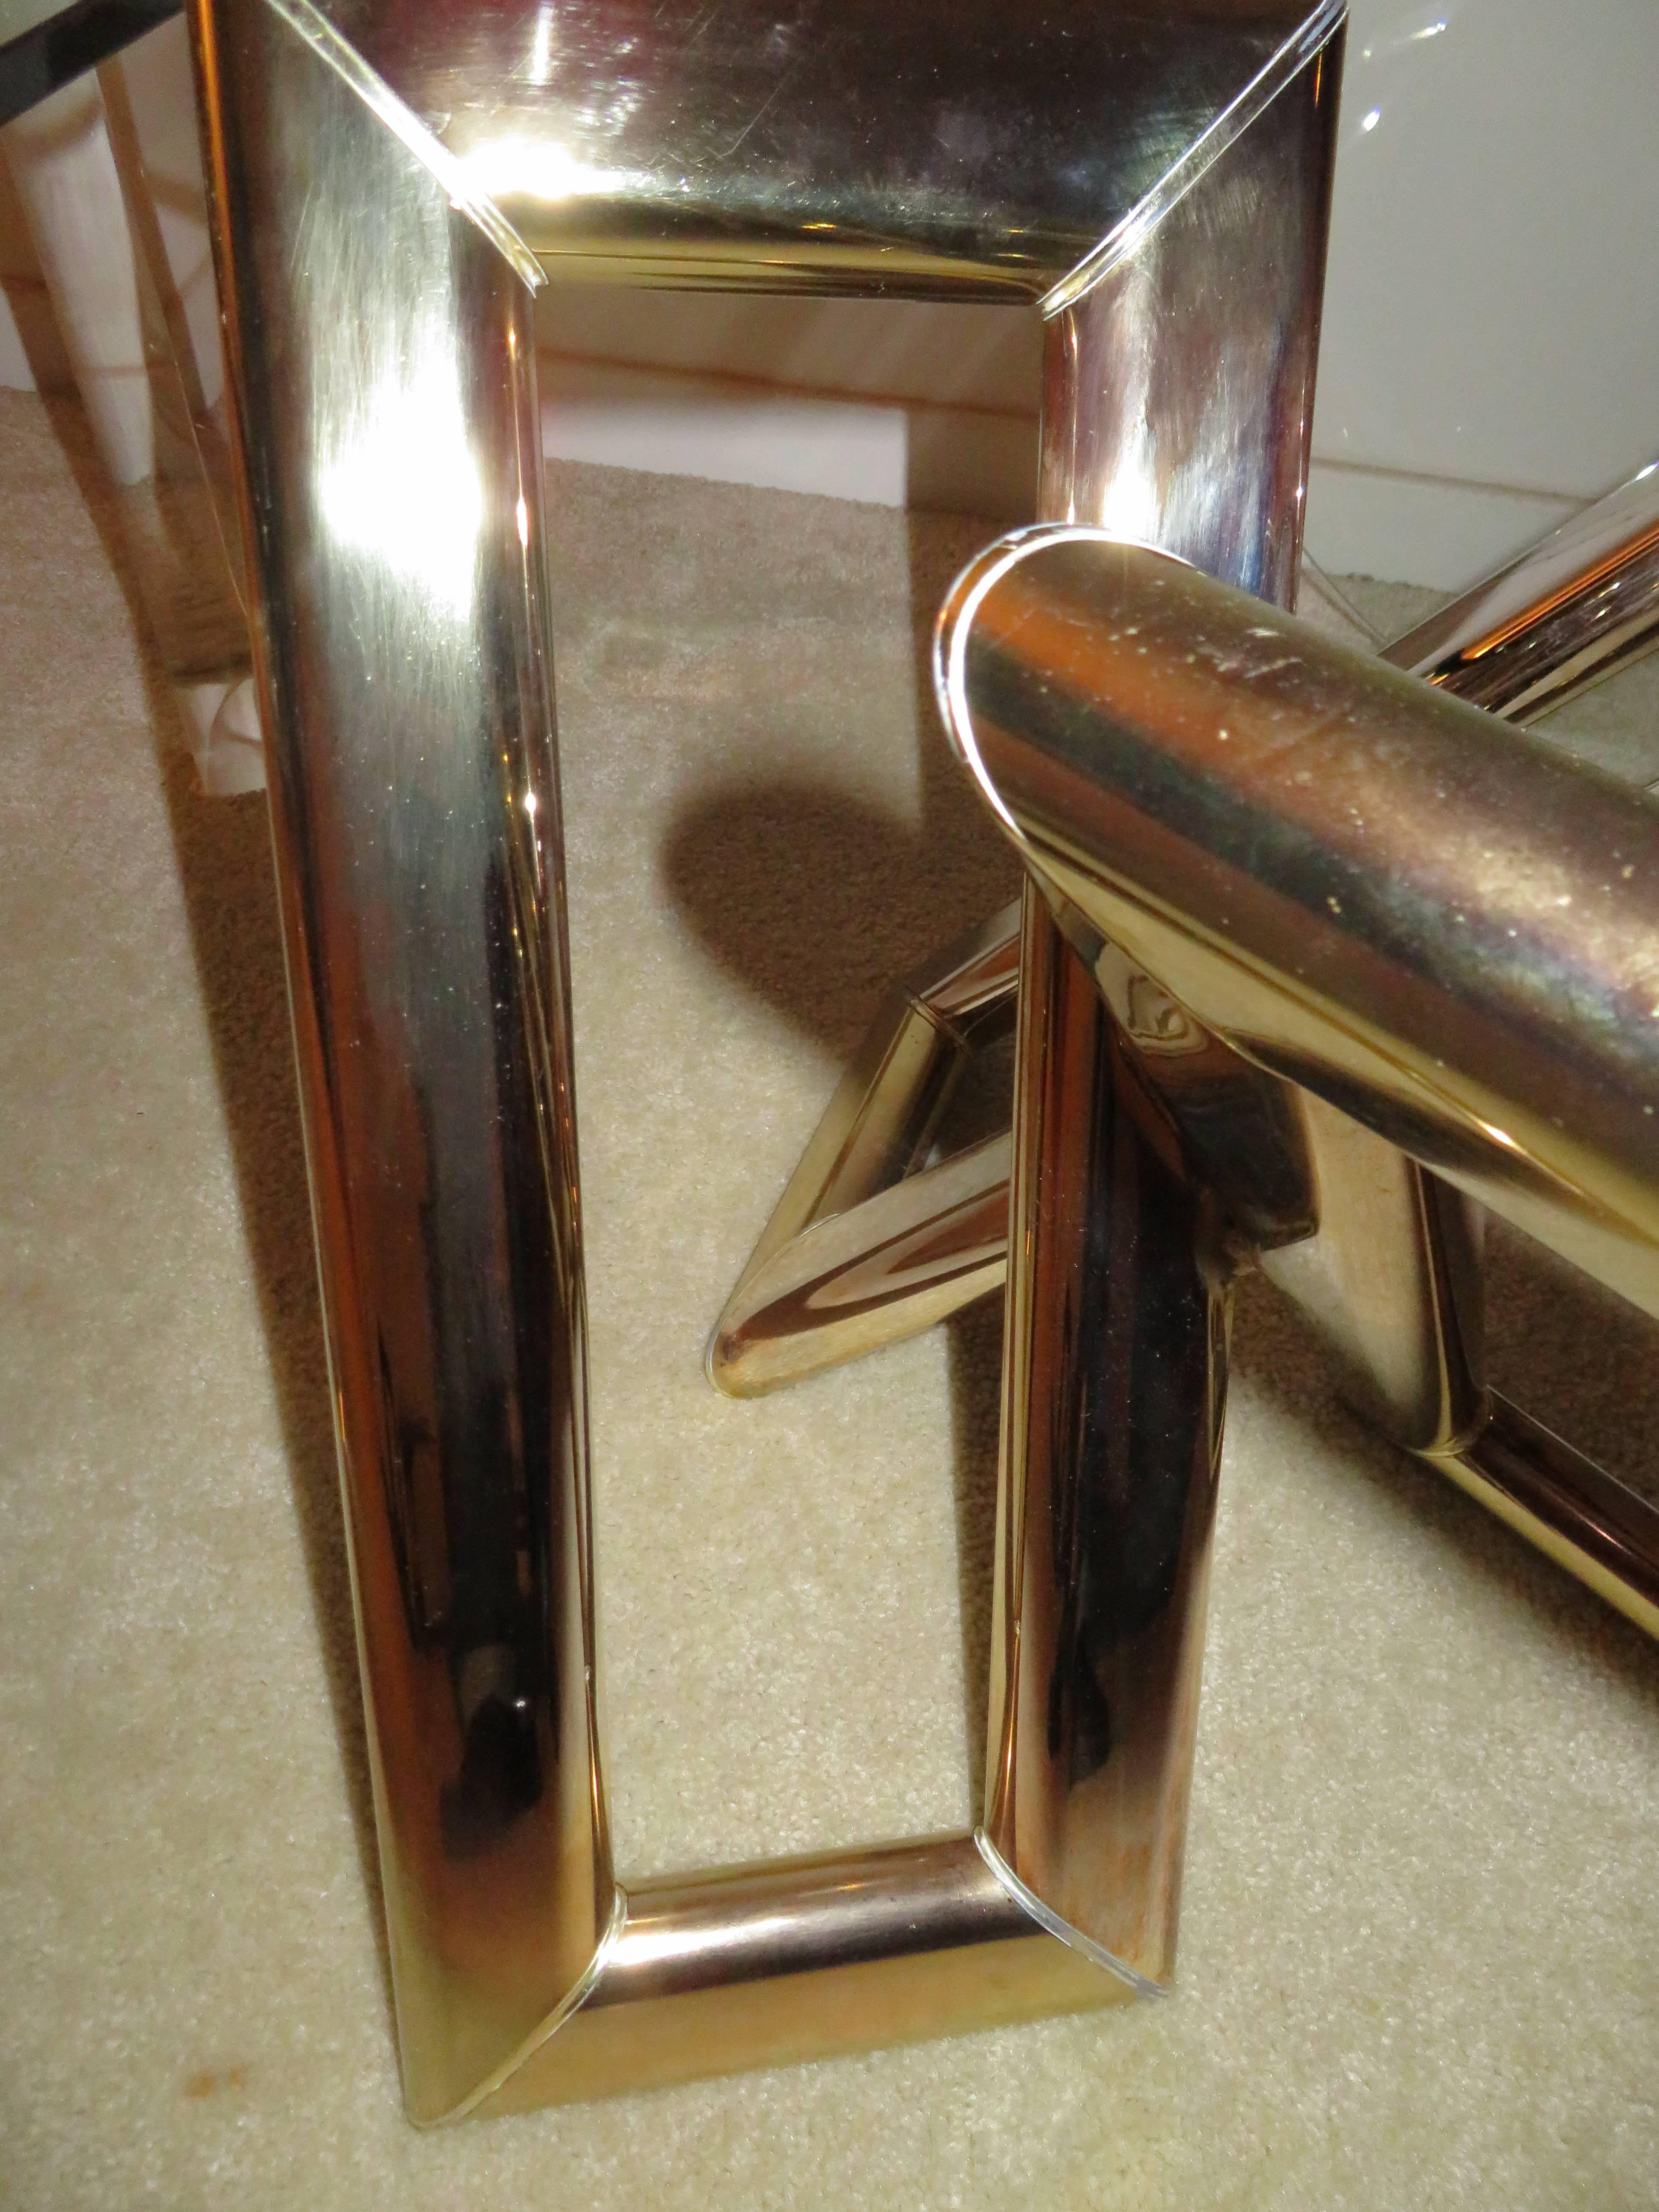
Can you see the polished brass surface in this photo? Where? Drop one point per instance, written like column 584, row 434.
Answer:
column 922, row 150
column 1564, row 1503
column 402, row 652
column 1569, row 613
column 379, row 177
column 805, row 1958
column 1391, row 1281
column 1114, row 1347
column 908, row 1256
column 1393, row 1275
column 1441, row 928
column 1114, row 1370
column 1139, row 434
column 1573, row 610
column 841, row 1254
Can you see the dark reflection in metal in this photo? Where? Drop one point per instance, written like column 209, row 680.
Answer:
column 393, row 468
column 1141, row 1403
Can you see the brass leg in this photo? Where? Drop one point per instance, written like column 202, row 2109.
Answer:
column 1178, row 394
column 74, row 159
column 380, row 352
column 1114, row 1386
column 841, row 1268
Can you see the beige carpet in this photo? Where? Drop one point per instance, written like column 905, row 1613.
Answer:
column 1420, row 1956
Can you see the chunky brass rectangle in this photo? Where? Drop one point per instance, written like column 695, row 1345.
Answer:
column 383, row 182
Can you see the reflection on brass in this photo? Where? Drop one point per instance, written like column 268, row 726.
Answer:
column 402, row 645
column 1569, row 613
column 1397, row 1290
column 1564, row 1503
column 1391, row 1281
column 1443, row 929
column 928, row 150
column 382, row 179
column 1114, row 1388
column 1115, row 1347
column 841, row 1254
column 1573, row 610
column 805, row 1959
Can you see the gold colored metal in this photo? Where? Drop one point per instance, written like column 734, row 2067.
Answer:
column 402, row 647
column 1114, row 1370
column 1396, row 1287
column 1445, row 886
column 1115, row 1344
column 1564, row 1503
column 842, row 1247
column 1390, row 1278
column 1445, row 930
column 924, row 151
column 805, row 1959
column 1572, row 611
column 384, row 179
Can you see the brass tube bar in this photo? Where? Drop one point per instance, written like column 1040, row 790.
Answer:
column 1404, row 1335
column 1445, row 930
column 402, row 646
column 1444, row 927
column 1572, row 611
column 803, row 1958
column 1564, row 1504
column 867, row 1151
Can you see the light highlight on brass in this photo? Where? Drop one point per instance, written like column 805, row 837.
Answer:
column 1443, row 929
column 1390, row 1278
column 376, row 174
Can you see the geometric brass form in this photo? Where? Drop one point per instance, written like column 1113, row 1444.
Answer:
column 1581, row 604
column 389, row 187
column 1442, row 931
column 868, row 1242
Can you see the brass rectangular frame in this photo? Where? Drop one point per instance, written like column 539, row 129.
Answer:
column 372, row 192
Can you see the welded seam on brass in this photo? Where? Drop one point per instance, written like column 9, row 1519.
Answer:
column 572, row 2001
column 339, row 54
column 1062, row 1930
column 1126, row 236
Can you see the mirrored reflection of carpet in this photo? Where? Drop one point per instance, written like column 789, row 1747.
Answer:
column 1420, row 1949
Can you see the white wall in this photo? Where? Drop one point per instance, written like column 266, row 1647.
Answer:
column 1490, row 338
column 1491, row 354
